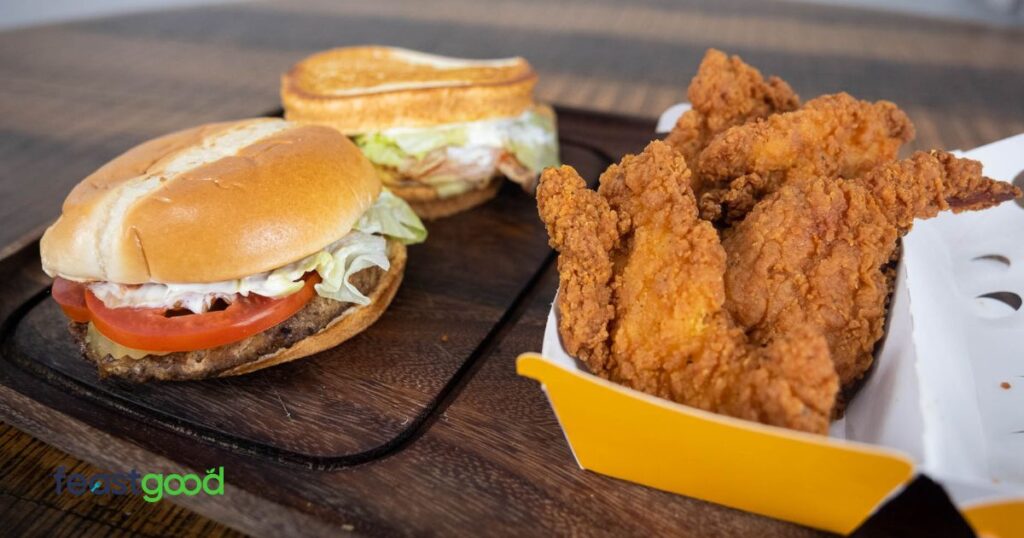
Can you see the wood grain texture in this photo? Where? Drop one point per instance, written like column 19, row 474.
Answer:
column 492, row 462
column 351, row 403
column 73, row 96
column 360, row 402
column 29, row 507
column 342, row 403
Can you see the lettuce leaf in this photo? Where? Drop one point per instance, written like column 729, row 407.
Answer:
column 335, row 264
column 395, row 147
column 530, row 137
column 419, row 142
column 392, row 216
column 353, row 253
column 533, row 141
column 364, row 247
column 381, row 149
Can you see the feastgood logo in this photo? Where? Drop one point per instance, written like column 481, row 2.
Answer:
column 152, row 486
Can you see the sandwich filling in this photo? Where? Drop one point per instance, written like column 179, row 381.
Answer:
column 159, row 318
column 455, row 158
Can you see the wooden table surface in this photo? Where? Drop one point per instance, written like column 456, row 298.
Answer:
column 73, row 96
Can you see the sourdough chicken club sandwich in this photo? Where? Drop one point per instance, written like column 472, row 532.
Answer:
column 226, row 248
column 440, row 131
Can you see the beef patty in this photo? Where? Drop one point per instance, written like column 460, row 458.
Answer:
column 311, row 319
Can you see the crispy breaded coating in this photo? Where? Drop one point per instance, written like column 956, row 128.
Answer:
column 816, row 253
column 584, row 230
column 926, row 183
column 726, row 92
column 669, row 334
column 813, row 255
column 833, row 135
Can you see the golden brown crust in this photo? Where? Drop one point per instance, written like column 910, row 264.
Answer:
column 641, row 297
column 726, row 92
column 361, row 89
column 586, row 232
column 816, row 253
column 429, row 206
column 212, row 203
column 831, row 136
column 137, row 160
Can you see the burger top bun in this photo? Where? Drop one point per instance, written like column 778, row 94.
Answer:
column 216, row 202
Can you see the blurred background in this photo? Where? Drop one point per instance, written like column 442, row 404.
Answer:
column 18, row 13
column 81, row 81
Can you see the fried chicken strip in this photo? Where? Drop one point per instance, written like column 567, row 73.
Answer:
column 927, row 183
column 584, row 230
column 669, row 334
column 726, row 92
column 833, row 135
column 816, row 253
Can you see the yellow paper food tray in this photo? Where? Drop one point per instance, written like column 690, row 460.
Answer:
column 832, row 483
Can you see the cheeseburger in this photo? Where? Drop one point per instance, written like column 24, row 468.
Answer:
column 440, row 131
column 226, row 248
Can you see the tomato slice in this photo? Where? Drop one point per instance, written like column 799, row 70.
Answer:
column 154, row 330
column 70, row 296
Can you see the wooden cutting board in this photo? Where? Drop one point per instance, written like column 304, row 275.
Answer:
column 287, row 433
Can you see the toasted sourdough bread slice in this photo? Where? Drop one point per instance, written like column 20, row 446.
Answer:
column 363, row 89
